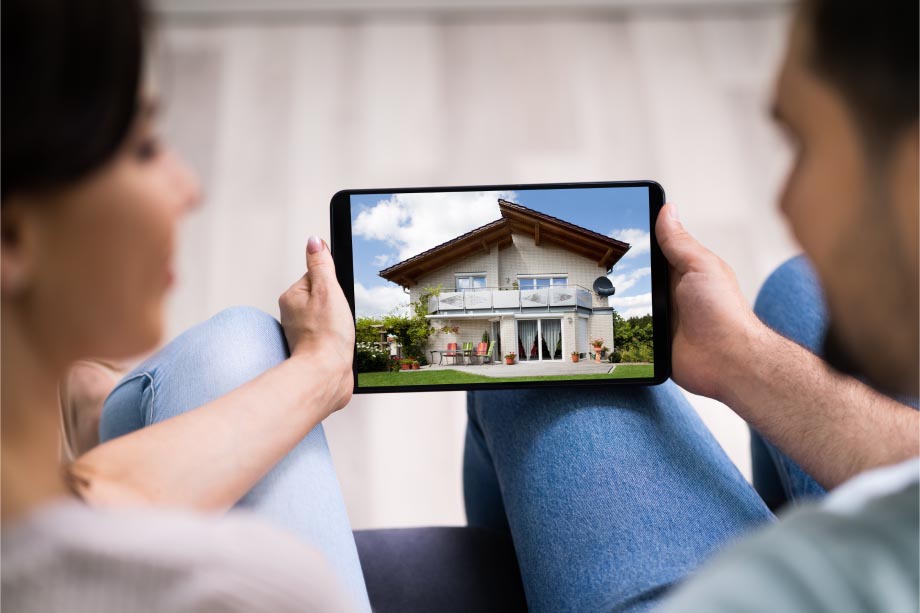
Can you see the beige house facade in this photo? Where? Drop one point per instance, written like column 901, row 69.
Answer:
column 525, row 280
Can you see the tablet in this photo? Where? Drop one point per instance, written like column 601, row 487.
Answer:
column 504, row 286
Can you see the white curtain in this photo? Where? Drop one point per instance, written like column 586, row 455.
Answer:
column 552, row 332
column 277, row 115
column 527, row 333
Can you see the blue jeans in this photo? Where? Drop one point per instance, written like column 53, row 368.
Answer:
column 301, row 493
column 613, row 495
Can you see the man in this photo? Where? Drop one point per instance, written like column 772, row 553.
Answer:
column 614, row 497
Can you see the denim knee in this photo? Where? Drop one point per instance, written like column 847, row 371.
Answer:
column 792, row 303
column 205, row 362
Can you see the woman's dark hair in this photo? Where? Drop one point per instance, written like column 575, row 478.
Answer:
column 71, row 74
column 867, row 49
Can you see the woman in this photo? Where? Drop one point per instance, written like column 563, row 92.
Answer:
column 90, row 204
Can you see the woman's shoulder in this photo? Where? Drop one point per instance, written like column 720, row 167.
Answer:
column 158, row 559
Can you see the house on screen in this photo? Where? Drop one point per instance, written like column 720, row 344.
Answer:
column 526, row 279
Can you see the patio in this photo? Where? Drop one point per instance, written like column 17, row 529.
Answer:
column 526, row 369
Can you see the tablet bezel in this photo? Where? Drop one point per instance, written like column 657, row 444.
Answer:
column 341, row 246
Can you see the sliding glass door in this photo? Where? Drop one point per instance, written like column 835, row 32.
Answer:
column 527, row 339
column 551, row 333
column 539, row 339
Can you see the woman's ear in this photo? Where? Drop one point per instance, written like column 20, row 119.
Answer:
column 18, row 235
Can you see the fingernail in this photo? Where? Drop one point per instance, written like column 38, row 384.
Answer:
column 672, row 211
column 314, row 244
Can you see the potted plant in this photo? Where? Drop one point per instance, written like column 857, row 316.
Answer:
column 405, row 364
column 574, row 356
column 509, row 358
column 597, row 344
column 415, row 365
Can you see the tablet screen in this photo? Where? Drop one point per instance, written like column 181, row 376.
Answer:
column 503, row 287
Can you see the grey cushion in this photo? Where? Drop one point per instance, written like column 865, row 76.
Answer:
column 440, row 569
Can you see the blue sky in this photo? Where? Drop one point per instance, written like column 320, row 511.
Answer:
column 388, row 228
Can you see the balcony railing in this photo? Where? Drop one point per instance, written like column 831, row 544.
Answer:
column 508, row 299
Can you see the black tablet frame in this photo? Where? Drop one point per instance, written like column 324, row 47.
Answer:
column 341, row 246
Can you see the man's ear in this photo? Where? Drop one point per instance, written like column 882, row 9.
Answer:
column 18, row 249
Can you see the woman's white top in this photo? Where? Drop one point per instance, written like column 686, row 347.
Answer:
column 69, row 557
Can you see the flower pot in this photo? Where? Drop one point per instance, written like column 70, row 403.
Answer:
column 403, row 367
column 415, row 367
column 574, row 358
column 509, row 361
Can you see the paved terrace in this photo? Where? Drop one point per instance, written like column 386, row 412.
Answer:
column 526, row 369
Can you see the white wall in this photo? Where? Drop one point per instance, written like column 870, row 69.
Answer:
column 277, row 115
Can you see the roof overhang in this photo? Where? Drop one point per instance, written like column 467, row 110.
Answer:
column 480, row 240
column 516, row 219
column 603, row 250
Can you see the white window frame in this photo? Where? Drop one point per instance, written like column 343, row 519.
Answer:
column 545, row 276
column 470, row 275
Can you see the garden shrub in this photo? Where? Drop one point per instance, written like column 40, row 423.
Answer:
column 371, row 358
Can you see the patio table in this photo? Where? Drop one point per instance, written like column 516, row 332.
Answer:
column 454, row 353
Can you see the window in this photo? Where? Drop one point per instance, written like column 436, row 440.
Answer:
column 470, row 282
column 541, row 282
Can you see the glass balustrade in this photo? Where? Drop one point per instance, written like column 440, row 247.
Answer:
column 488, row 299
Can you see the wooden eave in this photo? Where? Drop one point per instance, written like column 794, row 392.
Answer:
column 516, row 219
column 603, row 250
column 481, row 240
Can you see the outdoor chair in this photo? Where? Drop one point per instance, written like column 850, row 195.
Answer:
column 468, row 351
column 484, row 352
column 452, row 352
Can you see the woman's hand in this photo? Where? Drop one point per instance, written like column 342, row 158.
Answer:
column 713, row 326
column 232, row 441
column 317, row 321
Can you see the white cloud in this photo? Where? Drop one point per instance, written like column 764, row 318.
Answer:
column 623, row 281
column 633, row 306
column 379, row 300
column 383, row 260
column 412, row 223
column 639, row 239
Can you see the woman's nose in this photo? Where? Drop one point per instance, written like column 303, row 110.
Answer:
column 187, row 185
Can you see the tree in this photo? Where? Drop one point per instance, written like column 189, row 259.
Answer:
column 365, row 332
column 413, row 330
column 633, row 337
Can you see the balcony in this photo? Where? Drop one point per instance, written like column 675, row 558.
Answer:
column 507, row 299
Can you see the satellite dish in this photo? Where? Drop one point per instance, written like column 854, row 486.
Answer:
column 603, row 287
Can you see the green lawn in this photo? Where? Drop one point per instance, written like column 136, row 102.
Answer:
column 435, row 377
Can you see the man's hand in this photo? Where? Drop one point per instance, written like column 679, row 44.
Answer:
column 832, row 425
column 317, row 321
column 712, row 324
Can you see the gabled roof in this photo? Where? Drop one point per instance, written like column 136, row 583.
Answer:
column 516, row 219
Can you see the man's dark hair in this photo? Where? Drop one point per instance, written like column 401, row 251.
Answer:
column 70, row 80
column 867, row 49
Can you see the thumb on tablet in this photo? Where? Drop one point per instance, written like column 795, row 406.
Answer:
column 682, row 251
column 320, row 268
